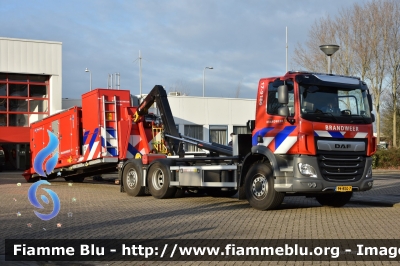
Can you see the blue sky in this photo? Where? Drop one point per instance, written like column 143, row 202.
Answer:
column 242, row 40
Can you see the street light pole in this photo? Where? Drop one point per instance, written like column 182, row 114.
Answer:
column 329, row 50
column 90, row 76
column 204, row 76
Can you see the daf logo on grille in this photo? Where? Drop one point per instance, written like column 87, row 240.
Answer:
column 342, row 146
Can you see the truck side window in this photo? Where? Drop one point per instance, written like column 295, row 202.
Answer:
column 272, row 100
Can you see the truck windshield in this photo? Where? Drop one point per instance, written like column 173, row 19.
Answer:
column 334, row 104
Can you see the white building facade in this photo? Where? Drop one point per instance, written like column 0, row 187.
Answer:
column 211, row 119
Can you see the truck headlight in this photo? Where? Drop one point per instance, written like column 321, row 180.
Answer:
column 307, row 170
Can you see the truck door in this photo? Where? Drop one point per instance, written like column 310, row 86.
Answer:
column 278, row 134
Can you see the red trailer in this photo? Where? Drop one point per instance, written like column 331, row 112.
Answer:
column 92, row 138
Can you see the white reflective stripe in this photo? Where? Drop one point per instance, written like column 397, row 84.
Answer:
column 323, row 133
column 326, row 134
column 134, row 140
column 361, row 135
column 103, row 131
column 267, row 140
column 93, row 150
column 84, row 149
column 286, row 144
column 110, row 138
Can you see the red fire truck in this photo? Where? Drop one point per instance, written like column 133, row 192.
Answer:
column 312, row 136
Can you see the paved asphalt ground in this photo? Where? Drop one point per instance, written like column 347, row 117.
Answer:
column 97, row 210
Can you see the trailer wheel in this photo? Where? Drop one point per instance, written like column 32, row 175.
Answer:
column 132, row 180
column 158, row 180
column 338, row 199
column 260, row 190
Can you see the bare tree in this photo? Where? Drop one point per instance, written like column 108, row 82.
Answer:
column 387, row 118
column 393, row 20
column 378, row 39
column 311, row 58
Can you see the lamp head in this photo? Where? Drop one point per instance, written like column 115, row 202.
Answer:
column 329, row 49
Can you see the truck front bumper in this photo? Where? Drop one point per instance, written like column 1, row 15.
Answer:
column 315, row 183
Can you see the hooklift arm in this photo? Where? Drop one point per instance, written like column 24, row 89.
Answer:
column 159, row 96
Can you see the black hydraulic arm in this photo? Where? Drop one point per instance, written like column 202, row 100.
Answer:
column 159, row 96
column 175, row 140
column 214, row 147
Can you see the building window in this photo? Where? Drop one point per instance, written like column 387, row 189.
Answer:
column 23, row 99
column 218, row 134
column 193, row 131
column 241, row 130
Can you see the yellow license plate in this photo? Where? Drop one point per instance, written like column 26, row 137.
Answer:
column 344, row 188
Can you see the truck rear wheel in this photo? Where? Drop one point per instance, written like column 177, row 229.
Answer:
column 132, row 180
column 158, row 180
column 337, row 199
column 260, row 190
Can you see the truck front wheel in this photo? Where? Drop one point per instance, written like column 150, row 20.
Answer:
column 158, row 180
column 260, row 190
column 132, row 180
column 337, row 199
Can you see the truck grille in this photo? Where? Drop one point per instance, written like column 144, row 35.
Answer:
column 341, row 168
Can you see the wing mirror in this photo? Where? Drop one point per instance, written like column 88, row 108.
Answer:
column 283, row 95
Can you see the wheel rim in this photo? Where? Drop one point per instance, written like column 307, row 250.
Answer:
column 158, row 179
column 132, row 179
column 259, row 187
